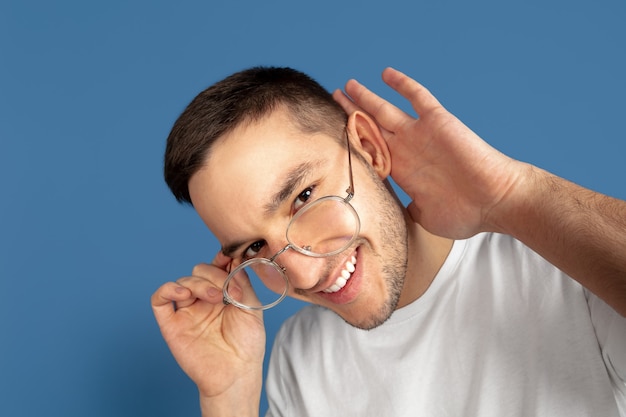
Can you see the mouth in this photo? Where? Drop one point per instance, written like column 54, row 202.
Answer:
column 344, row 276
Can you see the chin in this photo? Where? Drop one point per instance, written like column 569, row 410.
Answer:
column 370, row 318
column 369, row 323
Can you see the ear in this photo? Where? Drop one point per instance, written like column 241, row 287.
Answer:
column 367, row 139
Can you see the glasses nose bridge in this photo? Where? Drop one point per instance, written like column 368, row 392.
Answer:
column 280, row 252
column 300, row 270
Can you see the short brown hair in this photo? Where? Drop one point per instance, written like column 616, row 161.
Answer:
column 244, row 97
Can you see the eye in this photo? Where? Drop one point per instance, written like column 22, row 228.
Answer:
column 302, row 198
column 254, row 249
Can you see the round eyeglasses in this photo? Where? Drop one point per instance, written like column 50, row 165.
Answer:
column 325, row 227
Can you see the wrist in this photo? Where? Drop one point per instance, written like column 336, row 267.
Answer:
column 514, row 211
column 241, row 399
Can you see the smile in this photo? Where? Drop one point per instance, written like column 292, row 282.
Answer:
column 344, row 277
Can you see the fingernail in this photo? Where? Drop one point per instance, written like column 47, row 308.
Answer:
column 213, row 292
column 179, row 289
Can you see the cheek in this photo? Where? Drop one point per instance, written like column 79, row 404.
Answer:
column 382, row 220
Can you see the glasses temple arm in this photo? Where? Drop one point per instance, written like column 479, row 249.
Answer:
column 350, row 189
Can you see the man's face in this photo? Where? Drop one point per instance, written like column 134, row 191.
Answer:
column 254, row 164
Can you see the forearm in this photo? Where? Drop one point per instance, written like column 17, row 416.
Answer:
column 581, row 232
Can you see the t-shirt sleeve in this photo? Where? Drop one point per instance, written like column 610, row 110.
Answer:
column 610, row 329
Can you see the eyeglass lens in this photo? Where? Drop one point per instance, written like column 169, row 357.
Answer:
column 268, row 282
column 325, row 227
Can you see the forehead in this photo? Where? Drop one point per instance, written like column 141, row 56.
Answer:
column 246, row 167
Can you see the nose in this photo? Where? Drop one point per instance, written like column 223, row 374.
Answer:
column 304, row 272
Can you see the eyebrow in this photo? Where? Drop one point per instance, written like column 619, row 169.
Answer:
column 293, row 179
column 231, row 249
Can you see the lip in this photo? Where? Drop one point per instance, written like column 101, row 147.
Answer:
column 350, row 290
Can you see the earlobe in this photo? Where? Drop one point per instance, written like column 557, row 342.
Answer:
column 367, row 139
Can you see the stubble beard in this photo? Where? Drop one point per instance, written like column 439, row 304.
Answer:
column 393, row 255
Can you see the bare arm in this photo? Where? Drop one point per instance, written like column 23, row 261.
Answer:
column 460, row 186
column 578, row 230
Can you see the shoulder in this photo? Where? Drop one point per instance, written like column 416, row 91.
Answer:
column 500, row 269
column 505, row 253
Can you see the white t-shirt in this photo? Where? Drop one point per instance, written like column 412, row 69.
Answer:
column 500, row 332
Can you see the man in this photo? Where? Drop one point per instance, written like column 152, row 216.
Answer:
column 448, row 307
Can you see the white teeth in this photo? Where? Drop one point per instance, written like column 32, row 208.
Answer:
column 346, row 273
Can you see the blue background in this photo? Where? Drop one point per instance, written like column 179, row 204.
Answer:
column 89, row 91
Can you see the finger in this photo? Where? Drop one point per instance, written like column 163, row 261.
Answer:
column 241, row 289
column 201, row 288
column 386, row 114
column 163, row 299
column 344, row 101
column 215, row 271
column 349, row 107
column 421, row 99
column 221, row 261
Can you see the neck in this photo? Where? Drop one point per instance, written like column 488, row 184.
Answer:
column 426, row 254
